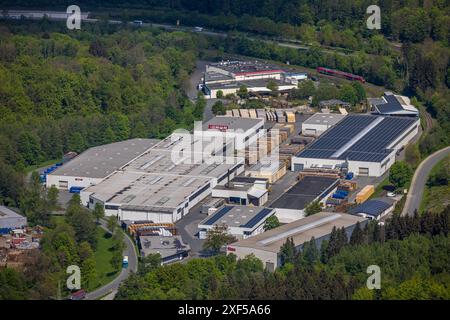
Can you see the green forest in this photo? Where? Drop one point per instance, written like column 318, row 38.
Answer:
column 409, row 54
column 67, row 91
column 412, row 253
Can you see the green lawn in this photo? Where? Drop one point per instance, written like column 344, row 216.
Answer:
column 40, row 165
column 103, row 254
column 435, row 198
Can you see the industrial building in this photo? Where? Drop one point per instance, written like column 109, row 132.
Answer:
column 374, row 209
column 290, row 206
column 365, row 144
column 320, row 122
column 242, row 131
column 241, row 221
column 95, row 164
column 393, row 105
column 153, row 187
column 266, row 246
column 9, row 220
column 229, row 76
column 243, row 193
column 171, row 248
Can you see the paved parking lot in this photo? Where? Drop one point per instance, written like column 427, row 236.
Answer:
column 187, row 228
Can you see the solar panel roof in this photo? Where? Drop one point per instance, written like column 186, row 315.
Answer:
column 373, row 207
column 349, row 137
column 391, row 105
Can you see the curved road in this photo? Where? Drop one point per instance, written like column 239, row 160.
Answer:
column 111, row 288
column 414, row 197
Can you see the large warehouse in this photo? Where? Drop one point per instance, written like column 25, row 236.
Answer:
column 367, row 143
column 267, row 245
column 229, row 76
column 97, row 163
column 153, row 187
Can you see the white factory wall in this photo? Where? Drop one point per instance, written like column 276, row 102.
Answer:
column 314, row 129
column 54, row 180
column 258, row 76
column 156, row 217
column 376, row 169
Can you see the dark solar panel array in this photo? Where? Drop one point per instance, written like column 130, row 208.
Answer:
column 371, row 207
column 219, row 214
column 392, row 105
column 371, row 147
column 253, row 221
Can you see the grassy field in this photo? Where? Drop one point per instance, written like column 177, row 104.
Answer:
column 105, row 271
column 41, row 165
column 437, row 197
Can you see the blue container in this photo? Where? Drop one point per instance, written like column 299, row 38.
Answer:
column 75, row 189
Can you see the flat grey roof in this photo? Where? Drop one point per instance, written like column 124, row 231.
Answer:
column 325, row 119
column 8, row 213
column 215, row 76
column 301, row 231
column 165, row 246
column 305, row 191
column 101, row 161
column 238, row 216
column 233, row 123
column 247, row 83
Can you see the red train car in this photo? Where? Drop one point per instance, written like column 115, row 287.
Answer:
column 342, row 74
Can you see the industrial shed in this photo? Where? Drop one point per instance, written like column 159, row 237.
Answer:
column 393, row 105
column 156, row 188
column 367, row 144
column 97, row 163
column 374, row 209
column 290, row 206
column 266, row 246
column 241, row 221
column 319, row 123
column 10, row 220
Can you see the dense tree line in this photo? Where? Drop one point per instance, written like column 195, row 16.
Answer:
column 410, row 251
column 67, row 91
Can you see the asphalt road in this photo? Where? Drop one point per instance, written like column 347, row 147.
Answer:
column 414, row 197
column 113, row 286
